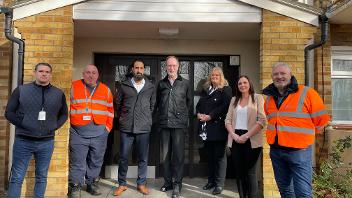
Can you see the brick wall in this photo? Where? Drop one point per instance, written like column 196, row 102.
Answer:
column 5, row 86
column 49, row 38
column 281, row 39
column 341, row 34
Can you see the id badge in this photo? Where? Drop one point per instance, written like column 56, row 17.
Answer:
column 42, row 115
column 86, row 117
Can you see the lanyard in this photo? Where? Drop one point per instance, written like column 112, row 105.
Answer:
column 43, row 98
column 90, row 97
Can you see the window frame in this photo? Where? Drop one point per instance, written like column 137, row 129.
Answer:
column 342, row 53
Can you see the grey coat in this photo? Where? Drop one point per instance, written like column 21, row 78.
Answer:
column 135, row 109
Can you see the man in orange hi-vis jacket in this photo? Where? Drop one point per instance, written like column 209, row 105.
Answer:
column 295, row 113
column 91, row 117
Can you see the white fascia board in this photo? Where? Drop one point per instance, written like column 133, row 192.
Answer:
column 168, row 17
column 282, row 9
column 41, row 6
column 156, row 10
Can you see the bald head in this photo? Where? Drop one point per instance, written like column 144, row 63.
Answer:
column 90, row 75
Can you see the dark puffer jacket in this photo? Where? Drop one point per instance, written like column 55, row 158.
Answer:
column 174, row 102
column 25, row 104
column 135, row 109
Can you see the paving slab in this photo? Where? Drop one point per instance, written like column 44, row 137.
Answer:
column 191, row 188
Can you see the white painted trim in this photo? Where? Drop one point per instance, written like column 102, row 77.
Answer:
column 169, row 17
column 294, row 13
column 40, row 6
column 14, row 82
column 155, row 10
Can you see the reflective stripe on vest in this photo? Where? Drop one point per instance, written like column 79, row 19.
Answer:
column 291, row 129
column 102, row 102
column 97, row 112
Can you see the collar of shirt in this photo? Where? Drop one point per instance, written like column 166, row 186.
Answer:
column 211, row 89
column 138, row 87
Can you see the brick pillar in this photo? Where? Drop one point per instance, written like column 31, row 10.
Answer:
column 281, row 39
column 5, row 87
column 322, row 84
column 49, row 38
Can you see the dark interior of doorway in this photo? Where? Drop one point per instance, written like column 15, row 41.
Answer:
column 107, row 63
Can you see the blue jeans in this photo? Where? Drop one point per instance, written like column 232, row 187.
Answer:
column 293, row 171
column 142, row 144
column 23, row 149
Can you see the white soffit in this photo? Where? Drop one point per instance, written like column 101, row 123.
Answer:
column 39, row 7
column 342, row 14
column 167, row 11
column 295, row 13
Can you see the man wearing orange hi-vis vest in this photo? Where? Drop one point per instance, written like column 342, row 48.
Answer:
column 91, row 117
column 295, row 113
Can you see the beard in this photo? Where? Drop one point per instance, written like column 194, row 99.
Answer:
column 281, row 86
column 138, row 76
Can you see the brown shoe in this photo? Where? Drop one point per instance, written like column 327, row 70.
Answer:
column 118, row 191
column 143, row 189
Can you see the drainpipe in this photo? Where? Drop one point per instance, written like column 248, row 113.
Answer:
column 8, row 33
column 324, row 21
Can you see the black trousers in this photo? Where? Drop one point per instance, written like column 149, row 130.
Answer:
column 173, row 149
column 216, row 162
column 245, row 159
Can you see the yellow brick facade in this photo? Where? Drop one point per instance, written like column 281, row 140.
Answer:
column 282, row 39
column 5, row 86
column 49, row 38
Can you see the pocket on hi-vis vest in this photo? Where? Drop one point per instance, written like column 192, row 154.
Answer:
column 86, row 117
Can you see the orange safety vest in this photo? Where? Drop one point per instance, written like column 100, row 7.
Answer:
column 301, row 115
column 85, row 108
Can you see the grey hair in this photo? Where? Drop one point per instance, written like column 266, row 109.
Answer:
column 282, row 64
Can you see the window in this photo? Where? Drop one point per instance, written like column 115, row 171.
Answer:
column 341, row 80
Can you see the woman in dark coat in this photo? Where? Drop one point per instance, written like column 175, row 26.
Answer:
column 211, row 113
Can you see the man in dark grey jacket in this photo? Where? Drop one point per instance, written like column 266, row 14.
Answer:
column 37, row 110
column 135, row 100
column 173, row 101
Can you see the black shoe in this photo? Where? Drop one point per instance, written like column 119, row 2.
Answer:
column 166, row 187
column 177, row 191
column 93, row 188
column 217, row 190
column 208, row 186
column 74, row 191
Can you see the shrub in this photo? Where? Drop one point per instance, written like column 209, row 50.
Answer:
column 329, row 180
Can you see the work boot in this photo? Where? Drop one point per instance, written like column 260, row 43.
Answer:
column 93, row 188
column 118, row 191
column 166, row 187
column 74, row 191
column 143, row 189
column 177, row 191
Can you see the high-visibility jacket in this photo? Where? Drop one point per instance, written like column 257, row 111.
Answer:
column 85, row 108
column 300, row 116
